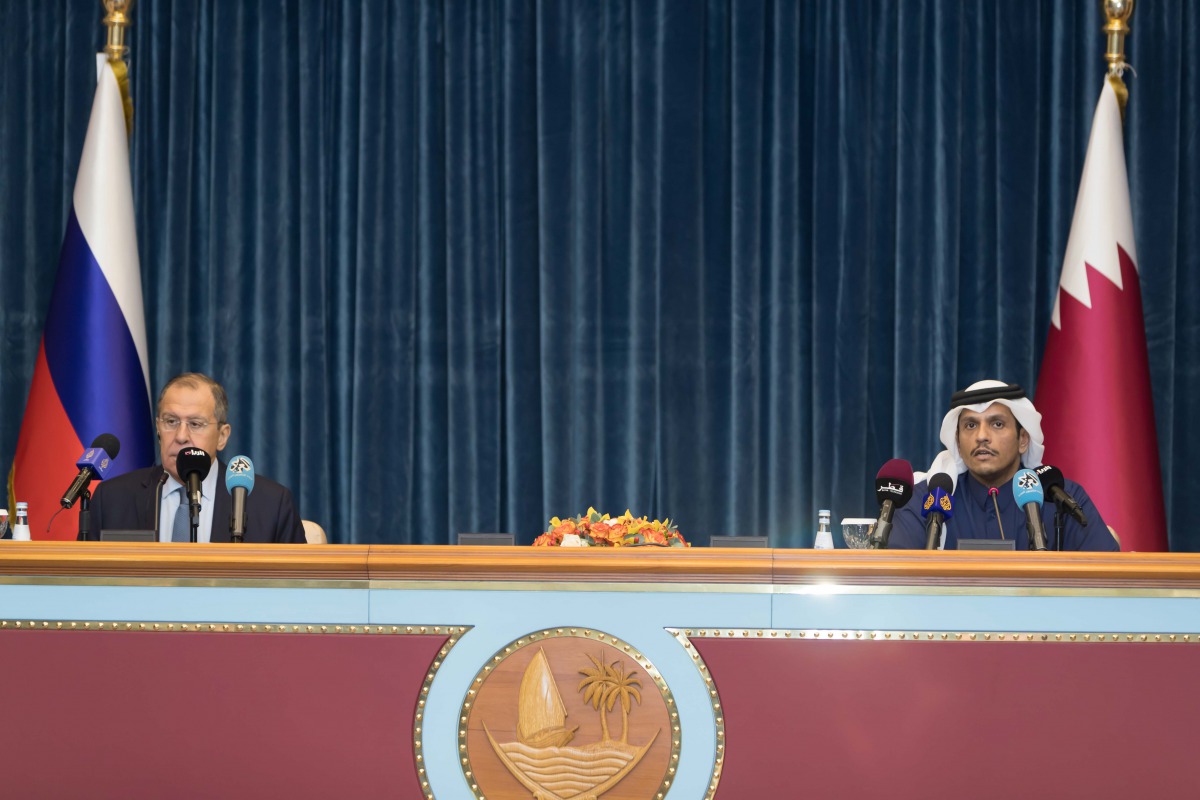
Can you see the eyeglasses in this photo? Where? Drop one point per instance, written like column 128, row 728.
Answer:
column 169, row 422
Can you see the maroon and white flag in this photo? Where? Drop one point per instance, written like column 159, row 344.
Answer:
column 1094, row 388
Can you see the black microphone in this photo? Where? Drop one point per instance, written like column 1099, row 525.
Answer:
column 939, row 506
column 193, row 465
column 1027, row 491
column 239, row 480
column 93, row 464
column 1053, row 482
column 893, row 489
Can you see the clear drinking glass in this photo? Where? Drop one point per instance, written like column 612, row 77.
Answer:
column 856, row 532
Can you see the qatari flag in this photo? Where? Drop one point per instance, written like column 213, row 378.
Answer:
column 91, row 374
column 1094, row 388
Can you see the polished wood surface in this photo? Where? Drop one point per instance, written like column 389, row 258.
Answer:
column 733, row 566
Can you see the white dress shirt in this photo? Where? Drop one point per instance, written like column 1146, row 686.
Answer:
column 171, row 500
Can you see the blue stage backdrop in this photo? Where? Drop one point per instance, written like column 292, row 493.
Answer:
column 463, row 266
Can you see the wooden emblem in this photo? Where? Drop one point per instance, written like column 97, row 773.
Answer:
column 569, row 715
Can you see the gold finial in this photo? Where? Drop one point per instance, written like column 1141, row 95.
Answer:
column 1118, row 13
column 117, row 20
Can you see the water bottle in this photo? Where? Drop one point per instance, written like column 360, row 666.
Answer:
column 21, row 529
column 3, row 523
column 824, row 539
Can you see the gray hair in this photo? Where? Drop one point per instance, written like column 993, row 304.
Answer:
column 197, row 380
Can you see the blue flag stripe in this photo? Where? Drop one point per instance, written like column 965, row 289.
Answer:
column 92, row 357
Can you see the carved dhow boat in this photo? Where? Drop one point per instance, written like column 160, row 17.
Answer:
column 540, row 709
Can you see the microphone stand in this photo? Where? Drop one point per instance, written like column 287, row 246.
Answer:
column 162, row 479
column 933, row 533
column 1060, row 525
column 85, row 515
column 194, row 515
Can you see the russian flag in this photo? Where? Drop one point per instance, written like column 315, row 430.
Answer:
column 91, row 375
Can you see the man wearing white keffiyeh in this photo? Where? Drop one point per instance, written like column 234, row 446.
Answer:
column 991, row 431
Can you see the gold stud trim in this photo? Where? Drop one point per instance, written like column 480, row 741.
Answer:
column 1148, row 637
column 228, row 627
column 684, row 638
column 456, row 633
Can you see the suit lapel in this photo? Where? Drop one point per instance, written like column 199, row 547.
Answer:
column 147, row 508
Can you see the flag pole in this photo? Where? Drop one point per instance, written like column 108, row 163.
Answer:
column 1118, row 13
column 117, row 20
column 1094, row 387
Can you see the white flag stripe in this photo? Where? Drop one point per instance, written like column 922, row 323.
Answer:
column 1103, row 214
column 104, row 205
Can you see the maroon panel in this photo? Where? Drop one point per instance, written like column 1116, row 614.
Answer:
column 839, row 718
column 127, row 714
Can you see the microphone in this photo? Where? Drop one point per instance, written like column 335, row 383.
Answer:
column 939, row 506
column 239, row 480
column 893, row 489
column 1027, row 490
column 93, row 464
column 1053, row 481
column 193, row 465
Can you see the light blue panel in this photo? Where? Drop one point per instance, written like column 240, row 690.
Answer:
column 501, row 617
column 675, row 609
column 987, row 613
column 184, row 604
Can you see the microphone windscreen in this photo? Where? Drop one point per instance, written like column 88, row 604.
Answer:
column 1050, row 476
column 109, row 443
column 941, row 480
column 894, row 482
column 1027, row 488
column 240, row 474
column 191, row 460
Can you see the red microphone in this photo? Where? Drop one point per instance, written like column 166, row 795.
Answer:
column 893, row 488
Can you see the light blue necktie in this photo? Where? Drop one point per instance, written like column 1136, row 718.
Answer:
column 181, row 530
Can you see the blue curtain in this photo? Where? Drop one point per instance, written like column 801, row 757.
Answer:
column 463, row 266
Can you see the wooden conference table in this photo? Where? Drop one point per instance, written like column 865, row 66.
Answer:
column 155, row 670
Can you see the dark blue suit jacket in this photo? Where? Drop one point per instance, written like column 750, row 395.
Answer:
column 975, row 517
column 130, row 501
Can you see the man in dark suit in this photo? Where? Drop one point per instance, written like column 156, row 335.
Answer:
column 192, row 412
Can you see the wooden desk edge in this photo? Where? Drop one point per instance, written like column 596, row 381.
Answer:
column 640, row 565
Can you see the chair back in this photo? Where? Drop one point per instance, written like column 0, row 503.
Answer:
column 314, row 533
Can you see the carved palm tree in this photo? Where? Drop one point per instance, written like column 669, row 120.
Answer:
column 626, row 688
column 597, row 687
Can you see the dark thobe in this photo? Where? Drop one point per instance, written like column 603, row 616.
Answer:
column 975, row 518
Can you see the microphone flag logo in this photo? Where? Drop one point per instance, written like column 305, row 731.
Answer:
column 240, row 465
column 942, row 500
column 1028, row 480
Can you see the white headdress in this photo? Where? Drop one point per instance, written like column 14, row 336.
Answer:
column 977, row 397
